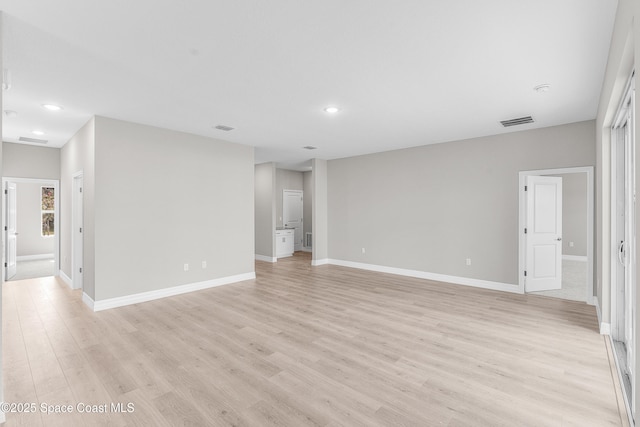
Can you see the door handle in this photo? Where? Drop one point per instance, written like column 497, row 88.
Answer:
column 621, row 253
column 559, row 239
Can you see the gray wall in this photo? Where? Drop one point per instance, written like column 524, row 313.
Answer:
column 78, row 155
column 429, row 208
column 29, row 223
column 30, row 161
column 307, row 202
column 265, row 209
column 320, row 221
column 286, row 180
column 166, row 198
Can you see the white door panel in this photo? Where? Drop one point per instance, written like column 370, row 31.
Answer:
column 544, row 234
column 292, row 215
column 12, row 234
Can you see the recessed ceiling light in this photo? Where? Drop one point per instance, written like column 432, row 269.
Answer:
column 52, row 107
column 331, row 110
column 37, row 132
column 542, row 88
column 10, row 113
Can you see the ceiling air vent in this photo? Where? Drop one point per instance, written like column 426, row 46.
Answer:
column 516, row 122
column 310, row 147
column 32, row 140
column 224, row 128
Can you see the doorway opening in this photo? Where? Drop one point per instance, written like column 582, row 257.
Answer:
column 292, row 216
column 623, row 243
column 31, row 228
column 556, row 233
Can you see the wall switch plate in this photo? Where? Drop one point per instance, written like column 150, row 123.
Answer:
column 204, row 264
column 468, row 261
column 186, row 267
column 570, row 244
column 363, row 251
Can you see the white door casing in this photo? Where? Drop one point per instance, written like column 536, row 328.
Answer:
column 543, row 234
column 292, row 213
column 77, row 233
column 11, row 233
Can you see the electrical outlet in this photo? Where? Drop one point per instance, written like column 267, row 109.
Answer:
column 570, row 244
column 204, row 264
column 186, row 267
column 468, row 261
column 363, row 251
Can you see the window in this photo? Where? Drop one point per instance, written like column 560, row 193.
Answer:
column 48, row 213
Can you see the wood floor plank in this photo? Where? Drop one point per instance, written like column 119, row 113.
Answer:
column 318, row 346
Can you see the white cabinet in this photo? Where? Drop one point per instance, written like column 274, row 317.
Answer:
column 284, row 243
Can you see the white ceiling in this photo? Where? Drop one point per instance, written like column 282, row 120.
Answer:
column 404, row 73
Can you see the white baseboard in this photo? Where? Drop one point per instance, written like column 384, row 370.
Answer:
column 592, row 299
column 575, row 258
column 466, row 281
column 2, row 418
column 34, row 257
column 163, row 293
column 88, row 301
column 66, row 279
column 266, row 258
column 306, row 249
column 317, row 262
column 605, row 328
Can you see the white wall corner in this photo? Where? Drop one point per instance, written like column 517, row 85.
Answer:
column 457, row 280
column 266, row 258
column 167, row 292
column 88, row 301
column 317, row 262
column 605, row 328
column 66, row 279
column 2, row 417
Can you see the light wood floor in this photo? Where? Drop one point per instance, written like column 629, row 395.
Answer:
column 325, row 346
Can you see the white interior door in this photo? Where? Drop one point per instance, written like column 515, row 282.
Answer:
column 292, row 215
column 11, row 231
column 77, row 234
column 544, row 234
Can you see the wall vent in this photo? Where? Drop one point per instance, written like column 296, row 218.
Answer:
column 224, row 128
column 33, row 140
column 308, row 239
column 310, row 147
column 516, row 122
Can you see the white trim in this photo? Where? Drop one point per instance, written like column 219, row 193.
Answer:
column 2, row 418
column 605, row 328
column 35, row 257
column 590, row 221
column 66, row 279
column 466, row 281
column 88, row 301
column 306, row 249
column 317, row 262
column 266, row 258
column 575, row 258
column 167, row 292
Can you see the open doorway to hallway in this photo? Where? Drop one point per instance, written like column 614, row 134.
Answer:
column 567, row 273
column 30, row 225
